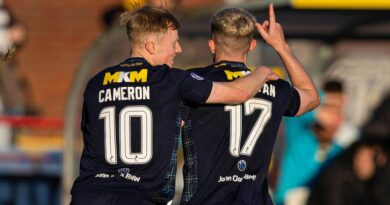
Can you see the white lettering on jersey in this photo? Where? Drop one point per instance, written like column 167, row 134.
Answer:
column 236, row 178
column 102, row 175
column 124, row 93
column 269, row 90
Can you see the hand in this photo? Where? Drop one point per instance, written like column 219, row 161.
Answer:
column 271, row 31
column 271, row 75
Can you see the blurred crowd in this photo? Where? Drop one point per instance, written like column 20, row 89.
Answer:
column 20, row 182
column 326, row 160
column 16, row 97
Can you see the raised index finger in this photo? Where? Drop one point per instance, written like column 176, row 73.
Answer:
column 271, row 12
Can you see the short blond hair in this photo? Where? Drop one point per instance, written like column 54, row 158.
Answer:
column 147, row 20
column 233, row 28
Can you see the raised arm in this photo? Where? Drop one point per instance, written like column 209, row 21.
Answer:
column 240, row 90
column 272, row 33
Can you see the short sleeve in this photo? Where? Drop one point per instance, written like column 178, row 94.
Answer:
column 192, row 87
column 294, row 102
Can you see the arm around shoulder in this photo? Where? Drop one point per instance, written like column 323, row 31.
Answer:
column 242, row 89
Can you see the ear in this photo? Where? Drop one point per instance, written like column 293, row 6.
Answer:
column 150, row 47
column 212, row 46
column 253, row 45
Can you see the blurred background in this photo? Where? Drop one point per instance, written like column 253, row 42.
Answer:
column 49, row 49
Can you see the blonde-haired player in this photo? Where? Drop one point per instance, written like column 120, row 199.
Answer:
column 228, row 147
column 131, row 113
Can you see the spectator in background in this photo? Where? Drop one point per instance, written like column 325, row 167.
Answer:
column 379, row 130
column 110, row 16
column 331, row 126
column 361, row 174
column 378, row 125
column 12, row 36
column 15, row 94
column 13, row 101
column 5, row 21
column 354, row 177
column 310, row 141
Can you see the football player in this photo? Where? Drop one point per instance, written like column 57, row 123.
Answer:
column 130, row 118
column 228, row 147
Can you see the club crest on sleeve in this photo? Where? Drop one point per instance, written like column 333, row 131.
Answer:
column 197, row 77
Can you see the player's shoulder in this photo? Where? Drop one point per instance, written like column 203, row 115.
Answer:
column 100, row 74
column 180, row 74
column 277, row 88
column 279, row 83
column 163, row 67
column 202, row 70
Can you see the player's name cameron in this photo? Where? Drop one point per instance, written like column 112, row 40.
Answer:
column 126, row 92
column 143, row 92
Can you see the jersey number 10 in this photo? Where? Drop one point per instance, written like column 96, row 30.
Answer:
column 236, row 125
column 125, row 116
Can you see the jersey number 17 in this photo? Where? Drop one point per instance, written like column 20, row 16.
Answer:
column 236, row 125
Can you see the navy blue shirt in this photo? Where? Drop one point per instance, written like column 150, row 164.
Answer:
column 130, row 124
column 228, row 147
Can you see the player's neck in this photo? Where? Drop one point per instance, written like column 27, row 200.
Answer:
column 223, row 57
column 139, row 54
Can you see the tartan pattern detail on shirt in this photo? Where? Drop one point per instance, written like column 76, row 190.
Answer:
column 170, row 176
column 190, row 165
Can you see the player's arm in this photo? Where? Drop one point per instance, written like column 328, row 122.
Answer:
column 272, row 33
column 240, row 90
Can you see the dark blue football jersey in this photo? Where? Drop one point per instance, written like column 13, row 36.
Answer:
column 130, row 124
column 228, row 147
